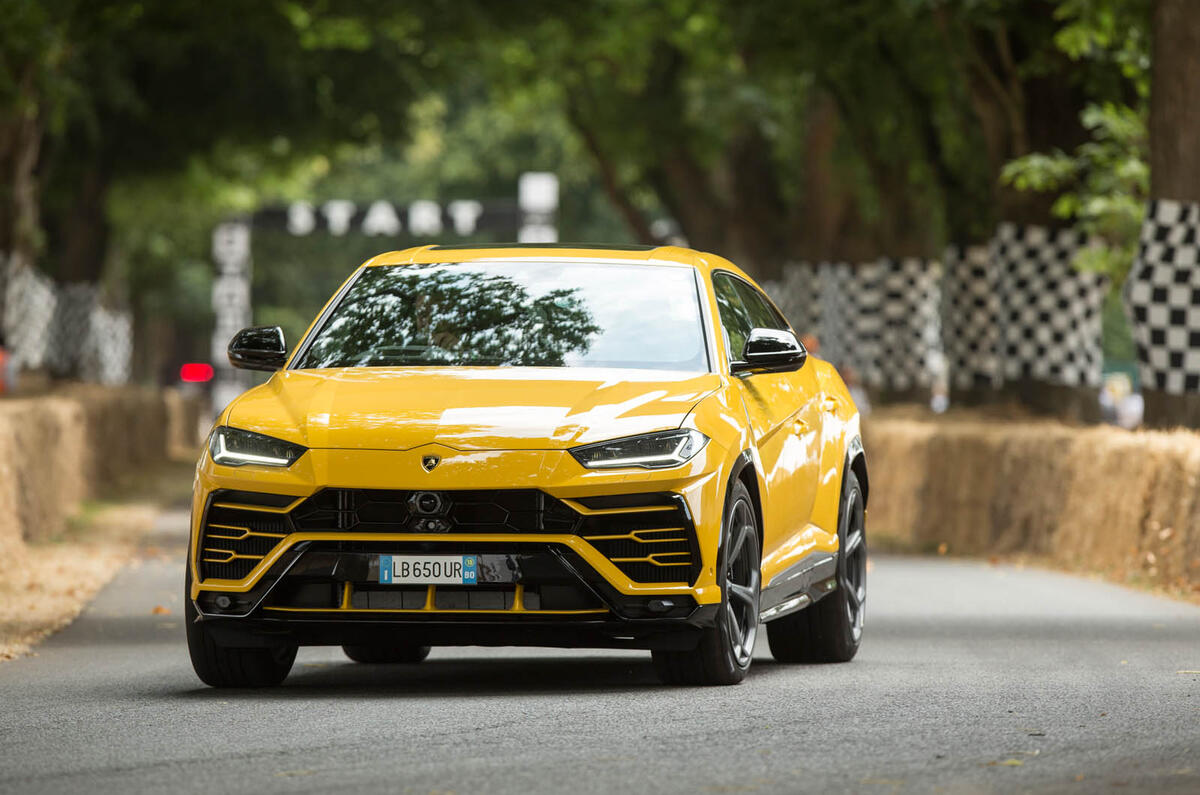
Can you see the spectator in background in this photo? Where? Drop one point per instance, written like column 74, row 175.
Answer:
column 1119, row 404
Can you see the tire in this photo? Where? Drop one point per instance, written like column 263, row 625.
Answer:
column 223, row 666
column 725, row 650
column 386, row 654
column 831, row 630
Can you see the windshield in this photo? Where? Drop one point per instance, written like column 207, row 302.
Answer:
column 531, row 314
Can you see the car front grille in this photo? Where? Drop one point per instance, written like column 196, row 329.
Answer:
column 501, row 511
column 649, row 537
column 240, row 529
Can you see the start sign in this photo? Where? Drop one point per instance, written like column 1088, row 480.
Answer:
column 421, row 218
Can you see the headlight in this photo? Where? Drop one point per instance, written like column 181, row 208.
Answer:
column 652, row 451
column 233, row 447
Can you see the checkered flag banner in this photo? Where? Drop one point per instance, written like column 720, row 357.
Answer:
column 971, row 318
column 1162, row 297
column 64, row 330
column 895, row 323
column 835, row 333
column 30, row 304
column 798, row 296
column 1015, row 309
column 1050, row 312
column 881, row 319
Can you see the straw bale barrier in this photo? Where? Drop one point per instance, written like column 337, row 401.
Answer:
column 60, row 449
column 1096, row 499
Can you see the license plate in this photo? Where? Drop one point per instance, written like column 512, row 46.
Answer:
column 428, row 569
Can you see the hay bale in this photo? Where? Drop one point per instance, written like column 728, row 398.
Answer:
column 58, row 450
column 1100, row 499
column 903, row 448
column 184, row 431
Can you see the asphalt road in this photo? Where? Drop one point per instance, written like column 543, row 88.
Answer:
column 971, row 678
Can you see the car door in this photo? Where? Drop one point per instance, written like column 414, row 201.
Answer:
column 783, row 412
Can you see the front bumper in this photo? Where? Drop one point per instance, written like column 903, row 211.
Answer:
column 299, row 565
column 328, row 593
column 656, row 634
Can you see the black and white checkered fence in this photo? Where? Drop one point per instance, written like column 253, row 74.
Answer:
column 881, row 318
column 1015, row 309
column 64, row 330
column 798, row 295
column 907, row 293
column 835, row 334
column 30, row 304
column 971, row 312
column 70, row 328
column 1162, row 297
column 1050, row 312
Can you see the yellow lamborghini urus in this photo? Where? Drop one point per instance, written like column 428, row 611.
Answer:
column 532, row 445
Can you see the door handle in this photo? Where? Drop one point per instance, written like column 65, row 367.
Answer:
column 829, row 404
column 799, row 426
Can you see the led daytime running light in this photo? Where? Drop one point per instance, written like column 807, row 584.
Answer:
column 255, row 448
column 690, row 442
column 224, row 455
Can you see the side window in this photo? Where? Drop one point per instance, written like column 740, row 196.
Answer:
column 735, row 317
column 762, row 313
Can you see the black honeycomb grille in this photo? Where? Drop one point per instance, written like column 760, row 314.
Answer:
column 240, row 529
column 500, row 511
column 650, row 537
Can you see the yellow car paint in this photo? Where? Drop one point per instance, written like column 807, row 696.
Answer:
column 501, row 428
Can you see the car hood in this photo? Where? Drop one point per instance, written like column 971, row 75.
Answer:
column 467, row 408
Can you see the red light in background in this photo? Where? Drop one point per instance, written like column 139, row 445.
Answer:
column 196, row 372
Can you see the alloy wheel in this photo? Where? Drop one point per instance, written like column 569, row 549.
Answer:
column 854, row 572
column 741, row 582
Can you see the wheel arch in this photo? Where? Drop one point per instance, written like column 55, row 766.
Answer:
column 856, row 462
column 744, row 470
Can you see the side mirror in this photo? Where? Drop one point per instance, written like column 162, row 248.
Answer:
column 258, row 348
column 771, row 350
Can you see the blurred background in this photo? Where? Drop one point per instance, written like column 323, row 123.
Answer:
column 919, row 153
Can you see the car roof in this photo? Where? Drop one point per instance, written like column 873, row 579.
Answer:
column 582, row 251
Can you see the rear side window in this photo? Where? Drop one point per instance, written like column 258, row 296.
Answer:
column 761, row 312
column 736, row 318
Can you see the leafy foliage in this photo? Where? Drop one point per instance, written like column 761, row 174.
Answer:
column 1103, row 183
column 1102, row 186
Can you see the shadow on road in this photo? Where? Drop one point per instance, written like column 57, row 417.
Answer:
column 469, row 678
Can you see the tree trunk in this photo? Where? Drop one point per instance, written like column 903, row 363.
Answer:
column 20, row 228
column 1174, row 151
column 20, row 147
column 757, row 211
column 79, row 236
column 823, row 203
column 1175, row 101
column 683, row 187
column 617, row 194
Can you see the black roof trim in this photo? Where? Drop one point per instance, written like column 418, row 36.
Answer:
column 589, row 246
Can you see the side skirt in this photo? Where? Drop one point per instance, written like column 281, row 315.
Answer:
column 799, row 586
